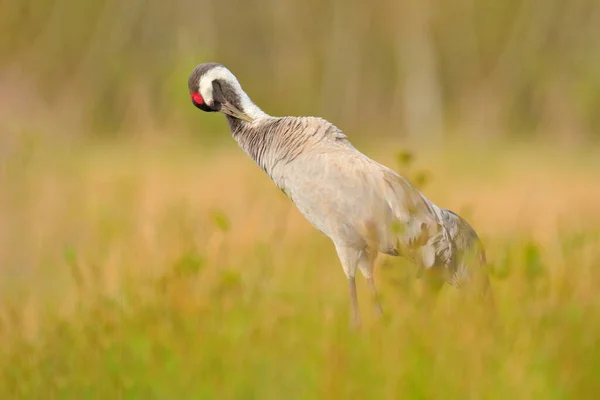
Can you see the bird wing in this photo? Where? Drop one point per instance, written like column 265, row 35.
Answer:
column 421, row 227
column 417, row 227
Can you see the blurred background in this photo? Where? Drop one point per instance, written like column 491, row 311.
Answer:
column 423, row 69
column 143, row 255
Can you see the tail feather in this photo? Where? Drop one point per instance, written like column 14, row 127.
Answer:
column 439, row 238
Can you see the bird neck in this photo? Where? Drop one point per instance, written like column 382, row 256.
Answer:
column 254, row 138
column 247, row 106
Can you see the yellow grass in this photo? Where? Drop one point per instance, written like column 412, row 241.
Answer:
column 159, row 269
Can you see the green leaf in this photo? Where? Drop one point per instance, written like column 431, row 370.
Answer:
column 404, row 158
column 221, row 221
column 189, row 264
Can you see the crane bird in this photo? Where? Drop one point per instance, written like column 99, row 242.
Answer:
column 364, row 207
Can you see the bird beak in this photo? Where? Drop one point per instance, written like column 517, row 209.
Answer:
column 229, row 109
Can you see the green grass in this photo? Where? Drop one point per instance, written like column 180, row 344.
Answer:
column 149, row 276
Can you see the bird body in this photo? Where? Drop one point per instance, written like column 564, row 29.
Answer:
column 364, row 207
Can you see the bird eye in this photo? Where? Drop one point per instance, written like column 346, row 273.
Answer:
column 197, row 98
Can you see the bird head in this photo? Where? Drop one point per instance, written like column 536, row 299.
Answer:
column 213, row 88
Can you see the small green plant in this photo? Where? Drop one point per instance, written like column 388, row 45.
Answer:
column 189, row 264
column 405, row 161
column 534, row 268
column 221, row 221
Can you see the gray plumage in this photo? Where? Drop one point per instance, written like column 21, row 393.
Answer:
column 364, row 207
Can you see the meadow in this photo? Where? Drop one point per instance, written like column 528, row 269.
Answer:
column 153, row 268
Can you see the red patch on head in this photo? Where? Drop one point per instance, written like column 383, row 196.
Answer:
column 197, row 98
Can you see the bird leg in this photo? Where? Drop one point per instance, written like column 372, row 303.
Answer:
column 356, row 320
column 373, row 289
column 365, row 264
column 349, row 257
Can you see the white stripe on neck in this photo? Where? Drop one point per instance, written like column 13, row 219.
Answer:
column 223, row 74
